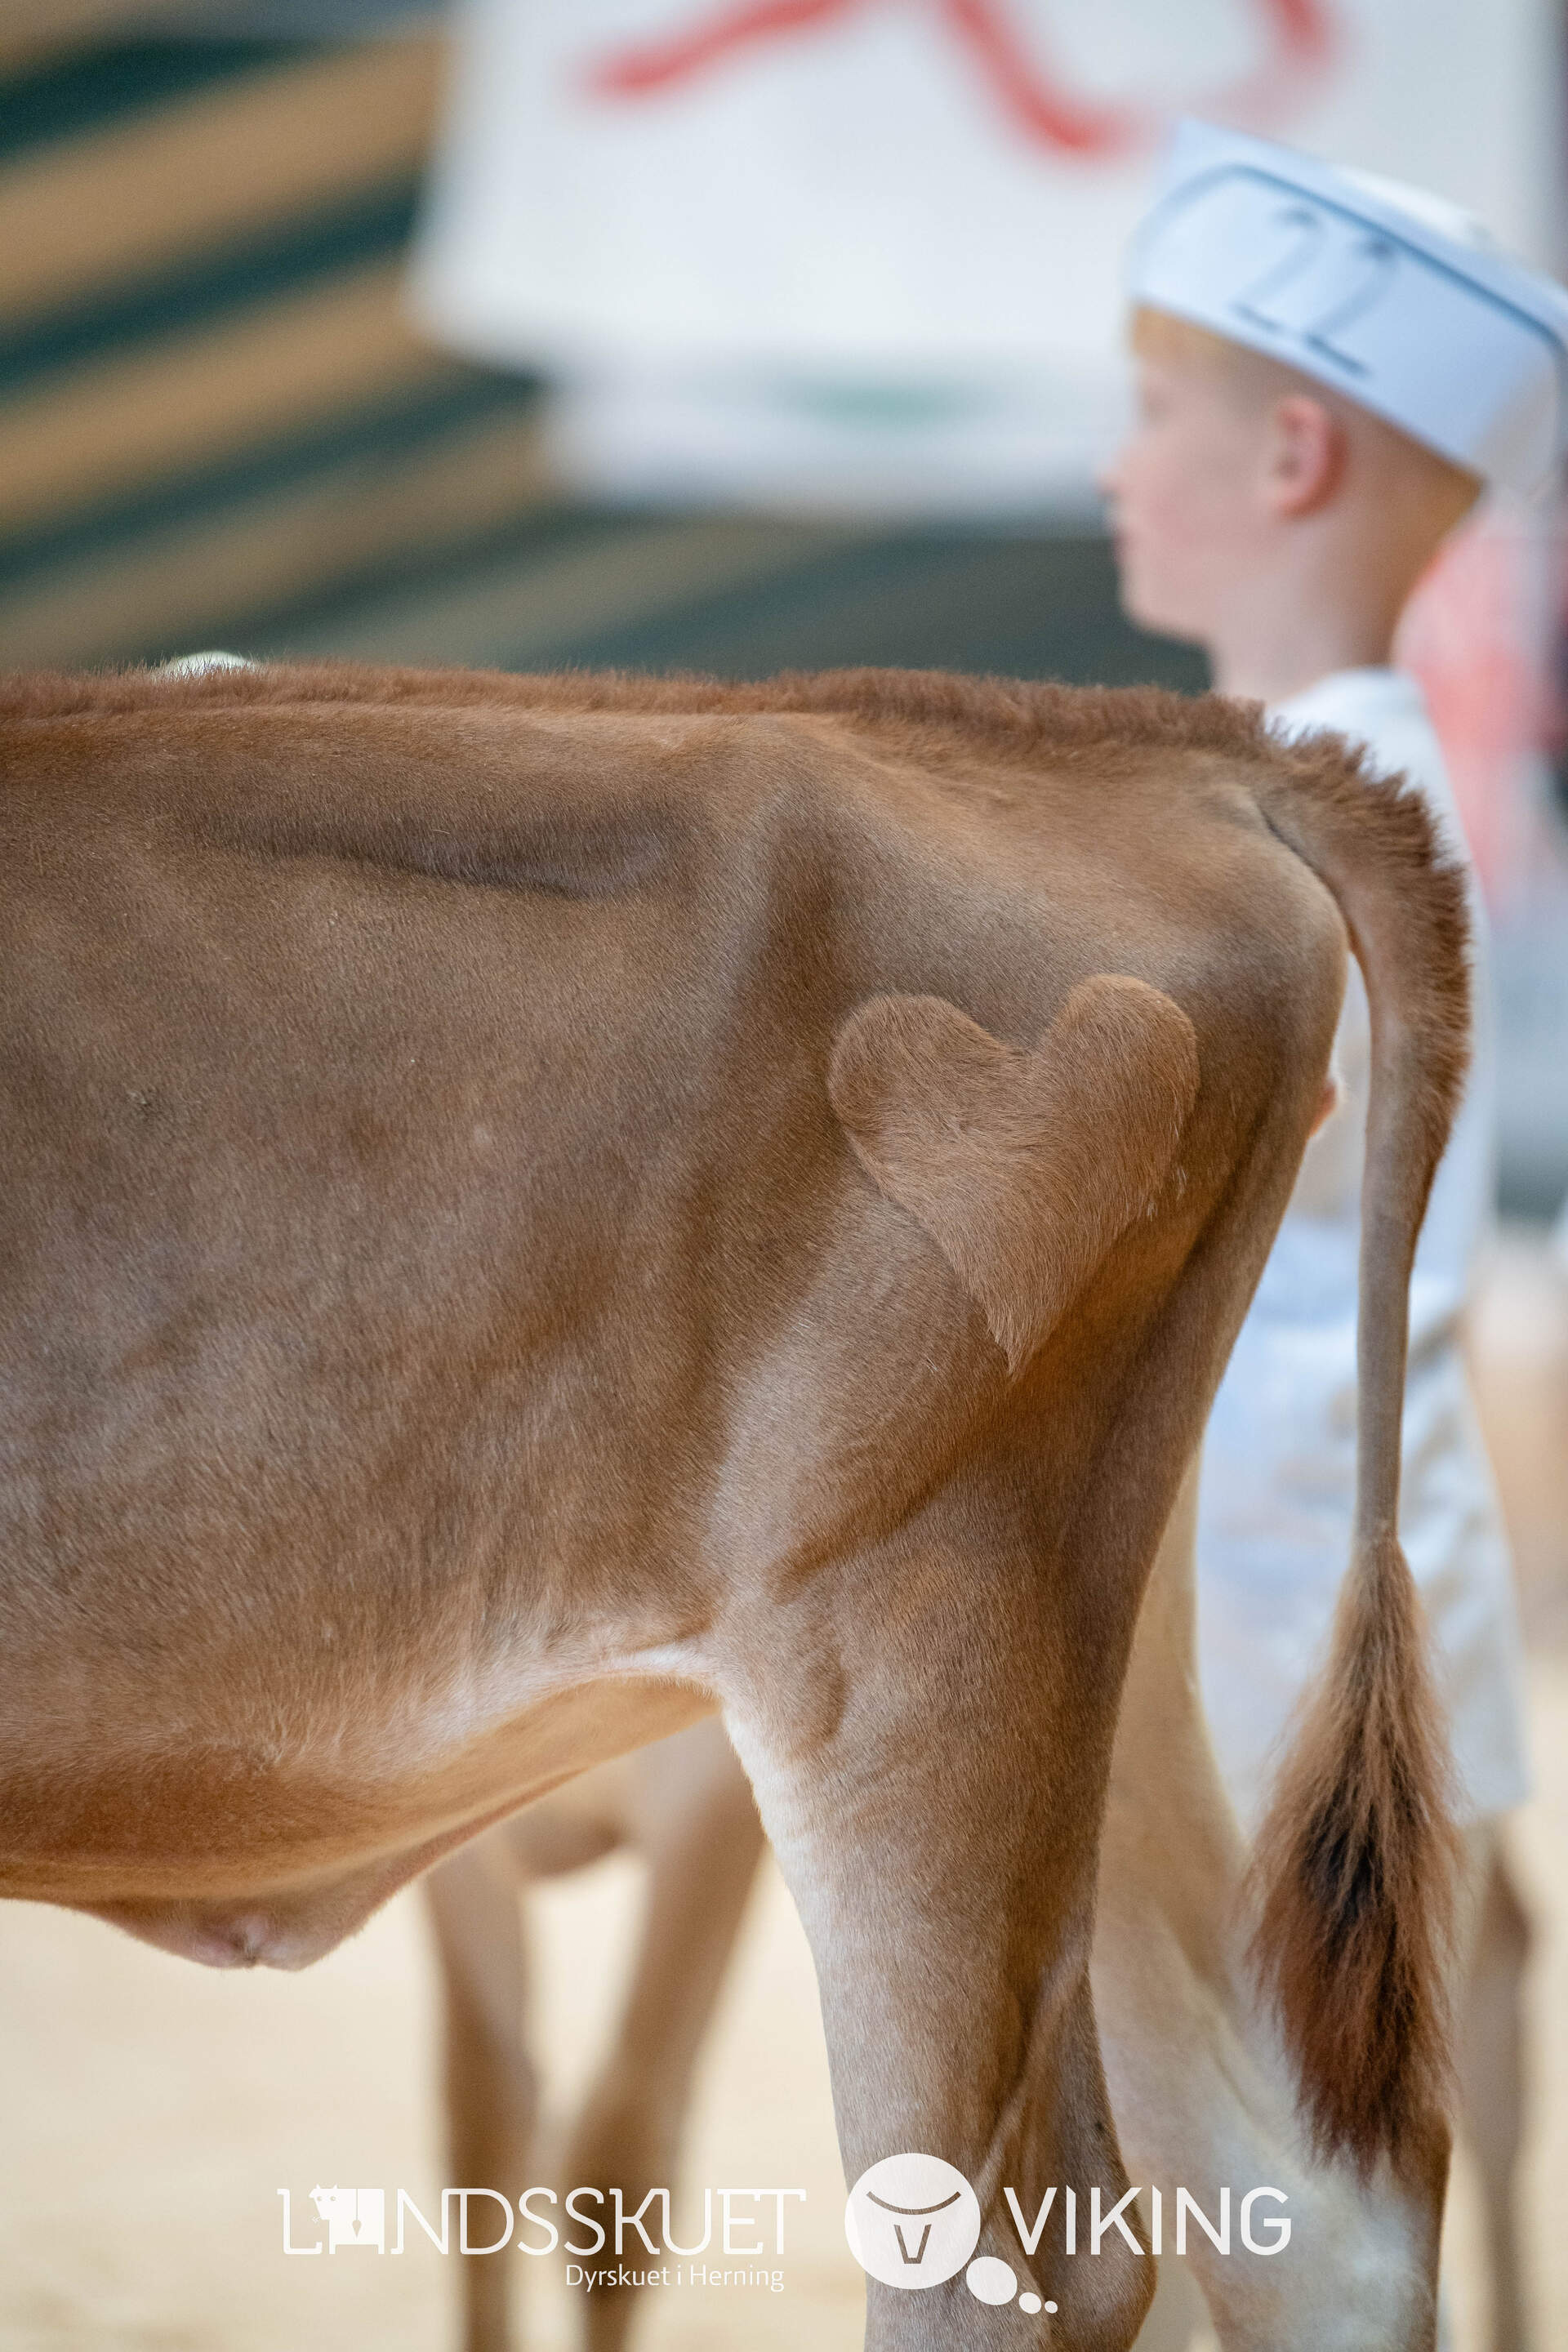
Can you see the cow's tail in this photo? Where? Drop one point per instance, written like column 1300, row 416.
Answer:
column 1354, row 1870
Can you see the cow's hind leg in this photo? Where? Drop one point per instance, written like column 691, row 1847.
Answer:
column 1176, row 2321
column 1492, row 2069
column 929, row 1765
column 490, row 2087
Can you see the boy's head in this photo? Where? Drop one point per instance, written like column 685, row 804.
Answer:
column 1237, row 467
column 1329, row 370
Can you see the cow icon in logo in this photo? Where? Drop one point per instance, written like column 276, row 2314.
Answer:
column 354, row 2217
column 912, row 2221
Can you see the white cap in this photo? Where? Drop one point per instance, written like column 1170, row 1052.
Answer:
column 197, row 665
column 1396, row 298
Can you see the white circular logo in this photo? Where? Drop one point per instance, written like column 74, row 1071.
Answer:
column 912, row 2221
column 991, row 2281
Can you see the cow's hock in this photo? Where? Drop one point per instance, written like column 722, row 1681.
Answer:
column 1023, row 1167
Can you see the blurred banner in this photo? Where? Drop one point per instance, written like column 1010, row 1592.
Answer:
column 869, row 252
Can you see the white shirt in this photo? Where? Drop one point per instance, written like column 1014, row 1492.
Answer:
column 1278, row 1476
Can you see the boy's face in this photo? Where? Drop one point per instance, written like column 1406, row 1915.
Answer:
column 1184, row 512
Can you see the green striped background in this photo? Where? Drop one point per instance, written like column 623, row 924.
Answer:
column 215, row 426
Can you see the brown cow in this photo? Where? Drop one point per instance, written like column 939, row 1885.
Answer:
column 534, row 1209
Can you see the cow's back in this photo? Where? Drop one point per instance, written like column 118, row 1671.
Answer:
column 356, row 1064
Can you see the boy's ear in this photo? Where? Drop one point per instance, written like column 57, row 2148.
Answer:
column 1305, row 455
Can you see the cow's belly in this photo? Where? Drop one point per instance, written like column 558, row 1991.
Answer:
column 236, row 1868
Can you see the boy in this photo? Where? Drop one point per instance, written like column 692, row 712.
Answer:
column 1330, row 370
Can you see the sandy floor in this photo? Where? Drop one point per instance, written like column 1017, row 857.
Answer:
column 151, row 2112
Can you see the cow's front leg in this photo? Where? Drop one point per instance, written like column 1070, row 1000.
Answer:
column 931, row 1782
column 691, row 1818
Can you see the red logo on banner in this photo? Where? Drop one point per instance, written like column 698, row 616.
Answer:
column 1030, row 94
